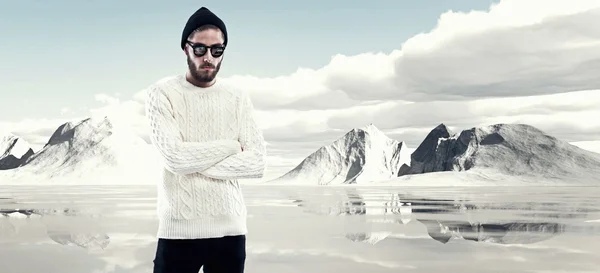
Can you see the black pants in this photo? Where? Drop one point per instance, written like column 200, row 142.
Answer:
column 222, row 255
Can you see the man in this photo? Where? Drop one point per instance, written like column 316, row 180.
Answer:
column 207, row 136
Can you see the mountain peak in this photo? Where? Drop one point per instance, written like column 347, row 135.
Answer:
column 86, row 145
column 363, row 154
column 370, row 129
column 442, row 127
column 14, row 151
column 510, row 149
column 86, row 128
column 89, row 151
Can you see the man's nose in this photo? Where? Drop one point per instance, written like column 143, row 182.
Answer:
column 208, row 57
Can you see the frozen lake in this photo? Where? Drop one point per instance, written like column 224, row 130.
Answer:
column 81, row 229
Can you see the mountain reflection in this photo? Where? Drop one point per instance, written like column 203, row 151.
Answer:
column 445, row 218
column 59, row 225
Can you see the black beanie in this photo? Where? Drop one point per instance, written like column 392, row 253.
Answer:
column 202, row 16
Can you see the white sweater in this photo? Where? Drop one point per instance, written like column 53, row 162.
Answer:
column 200, row 133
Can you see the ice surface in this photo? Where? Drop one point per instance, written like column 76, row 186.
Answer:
column 99, row 229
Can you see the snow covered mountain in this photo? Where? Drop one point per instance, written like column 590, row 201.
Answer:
column 14, row 151
column 89, row 151
column 517, row 150
column 94, row 151
column 361, row 155
column 488, row 155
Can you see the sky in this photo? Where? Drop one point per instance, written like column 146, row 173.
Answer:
column 314, row 70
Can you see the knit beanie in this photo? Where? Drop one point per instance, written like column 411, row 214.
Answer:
column 202, row 16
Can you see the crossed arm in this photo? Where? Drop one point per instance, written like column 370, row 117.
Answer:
column 221, row 159
column 250, row 163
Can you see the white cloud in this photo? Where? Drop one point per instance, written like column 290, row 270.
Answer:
column 125, row 114
column 518, row 48
column 566, row 114
column 273, row 93
column 593, row 146
column 324, row 88
column 66, row 111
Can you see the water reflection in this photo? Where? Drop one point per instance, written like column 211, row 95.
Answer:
column 64, row 226
column 447, row 219
column 372, row 215
column 316, row 229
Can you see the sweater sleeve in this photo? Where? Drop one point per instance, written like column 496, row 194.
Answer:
column 181, row 157
column 250, row 163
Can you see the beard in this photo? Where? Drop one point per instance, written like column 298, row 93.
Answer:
column 201, row 75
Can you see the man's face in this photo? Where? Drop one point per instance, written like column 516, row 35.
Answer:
column 204, row 69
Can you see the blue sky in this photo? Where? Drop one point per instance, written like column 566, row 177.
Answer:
column 59, row 54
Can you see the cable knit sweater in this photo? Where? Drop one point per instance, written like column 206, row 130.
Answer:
column 208, row 139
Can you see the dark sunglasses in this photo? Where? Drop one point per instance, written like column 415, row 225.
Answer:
column 201, row 49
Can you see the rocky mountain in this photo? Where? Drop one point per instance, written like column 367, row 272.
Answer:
column 94, row 151
column 91, row 149
column 511, row 149
column 496, row 154
column 14, row 151
column 360, row 156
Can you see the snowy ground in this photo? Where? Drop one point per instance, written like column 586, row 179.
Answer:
column 316, row 229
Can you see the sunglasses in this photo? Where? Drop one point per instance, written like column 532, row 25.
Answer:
column 201, row 49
